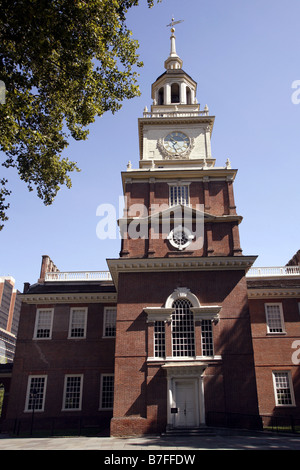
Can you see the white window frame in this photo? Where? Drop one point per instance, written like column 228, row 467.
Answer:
column 29, row 382
column 65, row 392
column 178, row 230
column 179, row 185
column 275, row 304
column 207, row 339
column 72, row 310
column 105, row 321
column 39, row 311
column 159, row 340
column 101, row 407
column 291, row 388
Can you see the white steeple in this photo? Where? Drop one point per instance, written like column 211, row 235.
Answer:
column 175, row 133
column 173, row 61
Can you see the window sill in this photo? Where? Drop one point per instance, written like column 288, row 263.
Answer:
column 184, row 359
column 278, row 333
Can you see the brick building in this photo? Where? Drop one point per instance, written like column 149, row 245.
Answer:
column 274, row 304
column 164, row 340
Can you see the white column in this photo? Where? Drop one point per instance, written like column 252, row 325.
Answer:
column 182, row 93
column 201, row 399
column 167, row 93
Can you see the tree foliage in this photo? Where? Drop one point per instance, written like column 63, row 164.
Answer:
column 63, row 62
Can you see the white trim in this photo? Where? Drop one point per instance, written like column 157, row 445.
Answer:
column 272, row 292
column 30, row 377
column 180, row 264
column 185, row 370
column 37, row 316
column 105, row 320
column 182, row 293
column 187, row 233
column 68, row 298
column 291, row 388
column 72, row 309
column 275, row 304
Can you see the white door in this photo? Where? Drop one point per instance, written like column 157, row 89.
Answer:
column 185, row 397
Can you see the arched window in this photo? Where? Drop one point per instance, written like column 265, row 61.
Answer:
column 183, row 331
column 161, row 96
column 188, row 96
column 175, row 93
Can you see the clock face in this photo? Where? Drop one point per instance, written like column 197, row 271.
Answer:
column 176, row 143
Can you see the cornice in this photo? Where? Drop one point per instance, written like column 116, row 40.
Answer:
column 166, row 175
column 69, row 298
column 274, row 292
column 213, row 263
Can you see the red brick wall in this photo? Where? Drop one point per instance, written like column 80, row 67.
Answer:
column 138, row 384
column 274, row 352
column 58, row 356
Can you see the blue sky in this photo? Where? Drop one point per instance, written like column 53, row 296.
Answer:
column 244, row 55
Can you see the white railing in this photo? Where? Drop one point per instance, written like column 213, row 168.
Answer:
column 163, row 114
column 274, row 271
column 78, row 276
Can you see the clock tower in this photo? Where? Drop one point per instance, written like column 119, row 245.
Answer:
column 184, row 354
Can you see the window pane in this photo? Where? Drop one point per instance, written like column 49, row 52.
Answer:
column 73, row 392
column 282, row 386
column 207, row 338
column 183, row 339
column 179, row 195
column 107, row 395
column 110, row 316
column 159, row 339
column 44, row 320
column 78, row 321
column 274, row 320
column 35, row 399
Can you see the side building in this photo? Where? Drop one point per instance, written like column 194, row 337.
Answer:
column 10, row 306
column 64, row 361
column 274, row 305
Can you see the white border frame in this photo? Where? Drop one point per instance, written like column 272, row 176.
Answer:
column 65, row 389
column 33, row 376
column 180, row 228
column 288, row 372
column 70, row 322
column 38, row 310
column 272, row 304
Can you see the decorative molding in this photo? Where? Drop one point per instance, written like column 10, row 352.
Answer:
column 158, row 314
column 212, row 263
column 274, row 292
column 209, row 312
column 69, row 298
column 182, row 293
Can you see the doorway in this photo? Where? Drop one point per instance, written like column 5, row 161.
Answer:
column 186, row 404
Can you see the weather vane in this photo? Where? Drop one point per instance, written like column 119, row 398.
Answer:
column 173, row 22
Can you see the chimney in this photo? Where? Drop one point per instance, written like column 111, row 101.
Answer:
column 47, row 267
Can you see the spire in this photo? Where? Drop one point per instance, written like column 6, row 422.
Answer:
column 173, row 61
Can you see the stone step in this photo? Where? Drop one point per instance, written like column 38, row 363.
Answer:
column 201, row 431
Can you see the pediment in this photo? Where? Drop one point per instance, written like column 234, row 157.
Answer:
column 178, row 213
